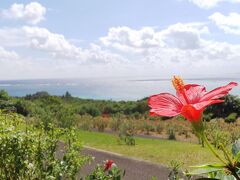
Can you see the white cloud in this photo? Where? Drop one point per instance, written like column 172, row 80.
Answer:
column 182, row 36
column 177, row 49
column 60, row 48
column 41, row 40
column 229, row 24
column 127, row 39
column 56, row 44
column 206, row 4
column 32, row 13
column 7, row 55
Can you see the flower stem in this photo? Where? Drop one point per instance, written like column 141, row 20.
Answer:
column 231, row 165
column 226, row 154
column 212, row 149
column 235, row 175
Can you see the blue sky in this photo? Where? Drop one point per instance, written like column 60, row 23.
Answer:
column 137, row 38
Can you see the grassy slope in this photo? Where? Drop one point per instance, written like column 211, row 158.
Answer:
column 154, row 150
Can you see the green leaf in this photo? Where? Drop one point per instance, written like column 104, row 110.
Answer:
column 209, row 166
column 236, row 148
column 223, row 176
column 237, row 157
column 204, row 169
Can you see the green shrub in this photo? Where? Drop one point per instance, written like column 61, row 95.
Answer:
column 235, row 135
column 100, row 123
column 231, row 118
column 159, row 127
column 90, row 110
column 23, row 107
column 4, row 95
column 37, row 95
column 127, row 132
column 65, row 117
column 147, row 127
column 115, row 124
column 207, row 116
column 231, row 104
column 171, row 133
column 30, row 153
column 175, row 169
column 84, row 122
column 128, row 139
column 128, row 127
column 219, row 137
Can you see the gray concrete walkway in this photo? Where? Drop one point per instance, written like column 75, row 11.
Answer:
column 135, row 169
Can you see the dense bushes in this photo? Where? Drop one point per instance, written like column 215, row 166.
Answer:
column 27, row 152
column 4, row 95
column 28, row 104
column 230, row 105
column 67, row 111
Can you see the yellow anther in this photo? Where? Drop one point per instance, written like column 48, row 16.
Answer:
column 178, row 83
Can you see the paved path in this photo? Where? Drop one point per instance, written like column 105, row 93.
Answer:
column 135, row 169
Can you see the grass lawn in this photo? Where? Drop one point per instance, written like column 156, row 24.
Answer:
column 154, row 150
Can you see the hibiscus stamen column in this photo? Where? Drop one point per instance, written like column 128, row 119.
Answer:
column 178, row 84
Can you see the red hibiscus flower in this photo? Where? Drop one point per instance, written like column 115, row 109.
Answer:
column 190, row 100
column 108, row 165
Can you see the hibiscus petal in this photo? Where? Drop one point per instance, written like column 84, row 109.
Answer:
column 191, row 113
column 164, row 104
column 203, row 104
column 218, row 92
column 193, row 92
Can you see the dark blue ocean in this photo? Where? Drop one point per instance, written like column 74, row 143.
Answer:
column 107, row 88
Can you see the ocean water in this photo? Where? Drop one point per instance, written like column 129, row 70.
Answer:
column 108, row 88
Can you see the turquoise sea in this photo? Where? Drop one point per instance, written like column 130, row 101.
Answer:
column 107, row 88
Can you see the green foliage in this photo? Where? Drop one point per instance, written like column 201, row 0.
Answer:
column 4, row 95
column 84, row 122
column 128, row 127
column 148, row 126
column 175, row 169
column 6, row 102
column 230, row 105
column 7, row 105
column 171, row 133
column 43, row 117
column 128, row 139
column 126, row 134
column 220, row 138
column 141, row 107
column 229, row 168
column 208, row 116
column 66, row 117
column 159, row 127
column 115, row 123
column 23, row 107
column 231, row 118
column 37, row 95
column 236, row 150
column 67, row 96
column 100, row 123
column 91, row 110
column 30, row 153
